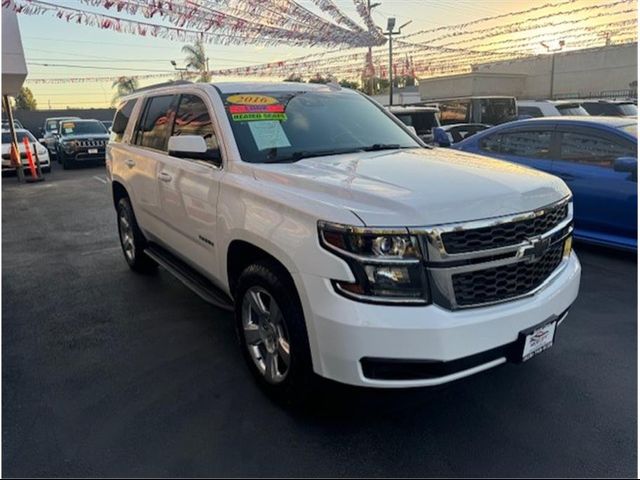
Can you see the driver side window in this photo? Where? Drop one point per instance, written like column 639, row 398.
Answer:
column 589, row 148
column 193, row 119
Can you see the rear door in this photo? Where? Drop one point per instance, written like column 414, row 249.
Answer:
column 189, row 187
column 605, row 201
column 145, row 159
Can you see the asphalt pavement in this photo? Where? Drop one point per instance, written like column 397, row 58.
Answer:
column 108, row 373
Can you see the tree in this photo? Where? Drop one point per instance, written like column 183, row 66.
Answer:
column 25, row 100
column 196, row 60
column 349, row 84
column 318, row 78
column 124, row 86
column 294, row 77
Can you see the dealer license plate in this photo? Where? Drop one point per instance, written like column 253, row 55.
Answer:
column 538, row 340
column 93, row 150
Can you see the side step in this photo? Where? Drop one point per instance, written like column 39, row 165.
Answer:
column 192, row 279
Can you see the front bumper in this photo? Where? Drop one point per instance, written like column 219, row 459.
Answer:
column 345, row 334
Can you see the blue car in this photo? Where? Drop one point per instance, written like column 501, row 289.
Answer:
column 596, row 156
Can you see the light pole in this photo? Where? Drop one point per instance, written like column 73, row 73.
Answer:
column 391, row 23
column 370, row 7
column 553, row 52
column 179, row 69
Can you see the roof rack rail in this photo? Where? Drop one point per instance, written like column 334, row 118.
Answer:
column 164, row 84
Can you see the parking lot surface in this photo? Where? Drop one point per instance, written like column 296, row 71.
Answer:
column 108, row 373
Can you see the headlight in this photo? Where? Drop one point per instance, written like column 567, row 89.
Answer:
column 68, row 146
column 386, row 263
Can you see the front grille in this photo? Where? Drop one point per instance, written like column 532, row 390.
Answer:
column 502, row 283
column 90, row 143
column 503, row 235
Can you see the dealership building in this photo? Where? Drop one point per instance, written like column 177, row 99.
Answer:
column 604, row 71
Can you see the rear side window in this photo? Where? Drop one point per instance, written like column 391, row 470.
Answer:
column 587, row 148
column 534, row 112
column 491, row 143
column 533, row 144
column 153, row 130
column 120, row 121
column 193, row 118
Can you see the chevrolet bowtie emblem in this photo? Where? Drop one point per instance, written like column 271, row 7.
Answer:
column 538, row 248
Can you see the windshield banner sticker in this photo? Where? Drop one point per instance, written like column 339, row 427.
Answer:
column 252, row 100
column 256, row 109
column 250, row 117
column 268, row 135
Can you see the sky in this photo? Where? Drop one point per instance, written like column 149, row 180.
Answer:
column 89, row 51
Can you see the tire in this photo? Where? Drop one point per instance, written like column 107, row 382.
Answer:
column 67, row 164
column 269, row 280
column 132, row 240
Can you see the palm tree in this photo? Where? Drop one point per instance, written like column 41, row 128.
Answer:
column 196, row 60
column 124, row 86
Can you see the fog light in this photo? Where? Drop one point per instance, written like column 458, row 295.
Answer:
column 568, row 246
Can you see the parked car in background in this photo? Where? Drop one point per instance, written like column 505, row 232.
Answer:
column 43, row 154
column 489, row 110
column 615, row 108
column 16, row 124
column 49, row 133
column 81, row 141
column 595, row 156
column 447, row 135
column 422, row 119
column 346, row 248
column 549, row 108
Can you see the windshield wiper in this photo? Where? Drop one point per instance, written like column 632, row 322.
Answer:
column 383, row 146
column 302, row 154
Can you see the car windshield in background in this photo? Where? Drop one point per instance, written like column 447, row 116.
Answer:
column 571, row 110
column 74, row 127
column 628, row 109
column 289, row 126
column 6, row 137
column 423, row 122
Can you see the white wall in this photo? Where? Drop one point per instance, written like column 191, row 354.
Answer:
column 14, row 68
column 579, row 72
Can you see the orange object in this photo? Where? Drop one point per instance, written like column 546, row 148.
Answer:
column 15, row 155
column 32, row 165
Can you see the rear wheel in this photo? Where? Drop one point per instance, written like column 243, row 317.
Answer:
column 132, row 240
column 273, row 332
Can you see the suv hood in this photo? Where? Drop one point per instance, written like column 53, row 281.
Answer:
column 416, row 187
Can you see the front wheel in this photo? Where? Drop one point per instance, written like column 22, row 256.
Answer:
column 132, row 240
column 273, row 333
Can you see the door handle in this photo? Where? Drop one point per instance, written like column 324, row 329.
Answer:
column 164, row 177
column 129, row 163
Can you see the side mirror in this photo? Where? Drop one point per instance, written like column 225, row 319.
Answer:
column 441, row 137
column 626, row 164
column 41, row 140
column 192, row 146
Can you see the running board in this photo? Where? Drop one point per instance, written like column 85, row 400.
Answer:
column 192, row 279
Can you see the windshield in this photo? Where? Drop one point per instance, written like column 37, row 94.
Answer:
column 628, row 109
column 289, row 126
column 6, row 137
column 498, row 110
column 82, row 128
column 571, row 109
column 423, row 122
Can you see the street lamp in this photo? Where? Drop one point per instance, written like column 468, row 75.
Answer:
column 391, row 23
column 553, row 52
column 179, row 69
column 371, row 6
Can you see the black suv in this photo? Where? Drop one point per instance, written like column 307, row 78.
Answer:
column 81, row 141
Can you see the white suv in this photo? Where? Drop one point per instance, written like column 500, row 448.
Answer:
column 347, row 249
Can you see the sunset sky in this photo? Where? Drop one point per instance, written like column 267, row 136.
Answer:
column 87, row 51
